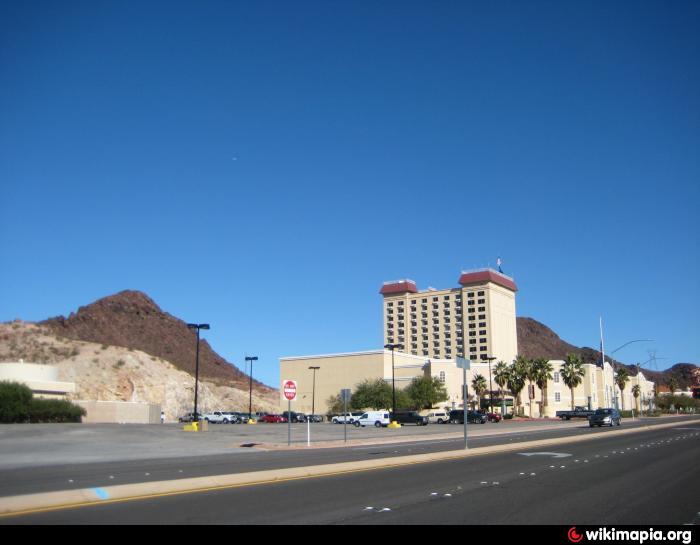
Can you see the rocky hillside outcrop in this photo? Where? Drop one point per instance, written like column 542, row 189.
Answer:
column 114, row 373
column 133, row 320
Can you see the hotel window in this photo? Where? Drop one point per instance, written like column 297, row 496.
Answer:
column 482, row 309
column 426, row 353
column 482, row 301
column 481, row 293
column 482, row 341
column 482, row 317
column 472, row 349
column 470, row 294
column 556, row 377
column 557, row 397
column 482, row 332
column 442, row 377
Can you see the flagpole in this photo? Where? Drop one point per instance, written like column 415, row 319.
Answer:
column 602, row 352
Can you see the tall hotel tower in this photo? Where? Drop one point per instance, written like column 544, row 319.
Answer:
column 474, row 321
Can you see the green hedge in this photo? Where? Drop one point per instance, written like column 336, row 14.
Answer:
column 18, row 406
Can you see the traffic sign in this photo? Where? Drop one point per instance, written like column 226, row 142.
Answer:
column 290, row 389
column 463, row 363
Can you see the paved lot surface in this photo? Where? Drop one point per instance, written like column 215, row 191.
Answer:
column 44, row 458
column 648, row 478
column 46, row 444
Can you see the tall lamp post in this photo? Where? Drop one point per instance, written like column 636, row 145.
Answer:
column 612, row 365
column 195, row 417
column 393, row 381
column 489, row 359
column 313, row 392
column 251, row 359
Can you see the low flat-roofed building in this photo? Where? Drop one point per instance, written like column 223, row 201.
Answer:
column 41, row 379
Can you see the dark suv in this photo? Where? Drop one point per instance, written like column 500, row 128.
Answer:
column 409, row 417
column 605, row 417
column 473, row 417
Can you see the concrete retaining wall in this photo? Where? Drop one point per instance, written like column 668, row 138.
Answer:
column 120, row 412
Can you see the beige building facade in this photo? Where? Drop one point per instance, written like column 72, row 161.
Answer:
column 473, row 321
column 347, row 370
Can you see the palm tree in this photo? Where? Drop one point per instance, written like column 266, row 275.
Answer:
column 672, row 383
column 531, row 376
column 543, row 374
column 636, row 392
column 623, row 376
column 517, row 377
column 500, row 376
column 572, row 373
column 479, row 385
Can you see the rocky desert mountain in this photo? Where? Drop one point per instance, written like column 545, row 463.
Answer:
column 536, row 340
column 115, row 373
column 133, row 320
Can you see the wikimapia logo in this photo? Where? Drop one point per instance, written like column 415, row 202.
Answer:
column 637, row 536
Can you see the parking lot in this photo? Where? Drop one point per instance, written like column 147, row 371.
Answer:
column 53, row 444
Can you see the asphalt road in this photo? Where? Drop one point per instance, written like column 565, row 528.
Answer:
column 163, row 464
column 649, row 478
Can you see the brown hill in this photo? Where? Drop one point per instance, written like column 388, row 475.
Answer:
column 133, row 320
column 536, row 340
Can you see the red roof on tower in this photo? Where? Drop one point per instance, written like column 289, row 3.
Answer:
column 398, row 287
column 487, row 275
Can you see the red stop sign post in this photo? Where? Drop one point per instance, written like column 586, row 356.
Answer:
column 290, row 390
column 289, row 387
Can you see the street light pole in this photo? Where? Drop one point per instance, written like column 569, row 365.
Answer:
column 393, row 381
column 313, row 392
column 195, row 416
column 612, row 365
column 251, row 359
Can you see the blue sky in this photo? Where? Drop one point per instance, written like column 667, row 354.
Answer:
column 265, row 166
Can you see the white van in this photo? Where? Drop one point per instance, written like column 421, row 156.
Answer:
column 377, row 419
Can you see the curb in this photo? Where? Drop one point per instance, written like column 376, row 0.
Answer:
column 51, row 501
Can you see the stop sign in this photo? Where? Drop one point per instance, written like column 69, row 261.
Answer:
column 290, row 389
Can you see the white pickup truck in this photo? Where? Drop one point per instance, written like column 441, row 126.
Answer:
column 346, row 417
column 219, row 417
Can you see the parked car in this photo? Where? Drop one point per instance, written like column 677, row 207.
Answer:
column 473, row 417
column 437, row 417
column 273, row 419
column 346, row 417
column 605, row 417
column 294, row 416
column 377, row 419
column 314, row 418
column 189, row 417
column 241, row 418
column 409, row 417
column 494, row 417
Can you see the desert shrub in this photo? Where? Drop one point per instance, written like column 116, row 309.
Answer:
column 14, row 402
column 17, row 406
column 54, row 411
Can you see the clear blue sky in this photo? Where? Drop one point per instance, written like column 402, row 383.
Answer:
column 265, row 166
